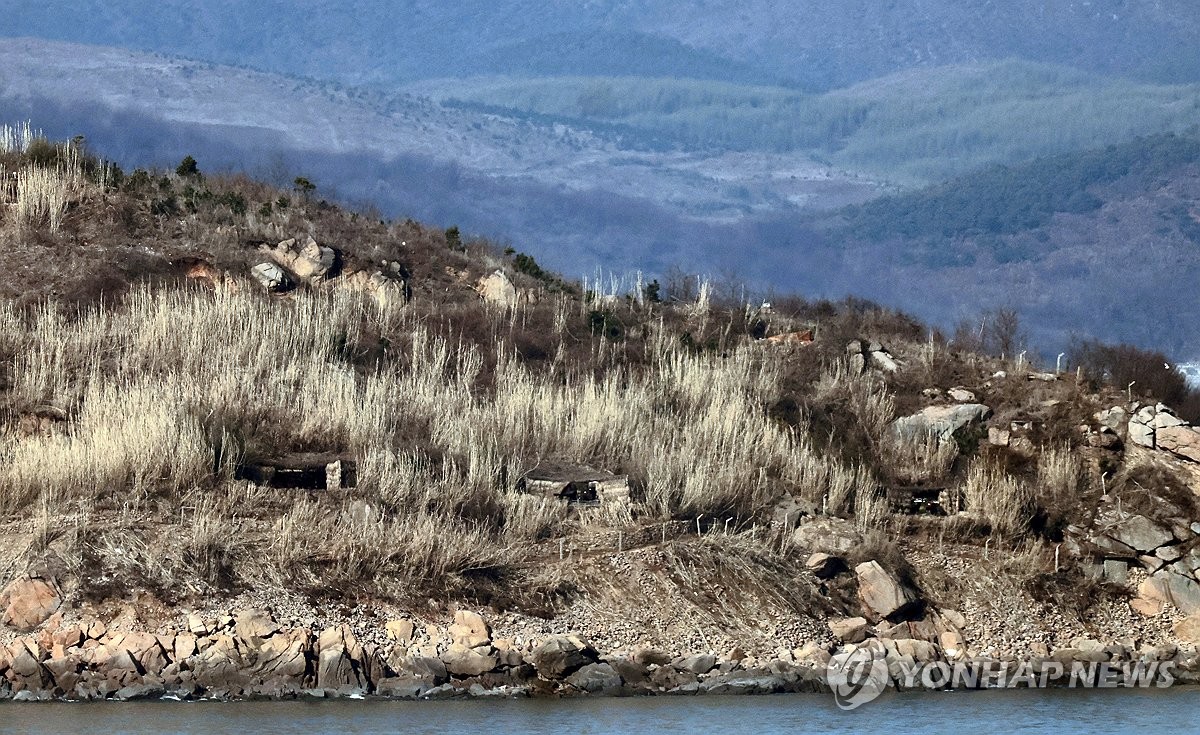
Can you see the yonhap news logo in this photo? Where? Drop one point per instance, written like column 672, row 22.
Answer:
column 857, row 677
column 860, row 675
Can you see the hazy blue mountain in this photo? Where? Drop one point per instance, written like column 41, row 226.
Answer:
column 815, row 43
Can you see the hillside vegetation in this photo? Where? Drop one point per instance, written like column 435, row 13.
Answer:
column 165, row 391
column 917, row 126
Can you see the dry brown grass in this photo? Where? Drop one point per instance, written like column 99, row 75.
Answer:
column 1005, row 501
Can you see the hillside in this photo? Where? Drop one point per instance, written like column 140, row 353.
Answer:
column 912, row 127
column 1103, row 242
column 664, row 190
column 255, row 444
column 817, row 45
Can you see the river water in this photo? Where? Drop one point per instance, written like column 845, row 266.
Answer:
column 1110, row 712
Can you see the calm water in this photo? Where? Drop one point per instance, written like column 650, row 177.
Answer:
column 1109, row 712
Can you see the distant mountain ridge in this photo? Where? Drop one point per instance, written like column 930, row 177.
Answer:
column 813, row 43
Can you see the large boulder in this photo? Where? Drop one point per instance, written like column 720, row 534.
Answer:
column 560, row 656
column 850, row 630
column 1114, row 418
column 271, row 277
column 1164, row 587
column 462, row 660
column 701, row 663
column 881, row 593
column 496, row 288
column 1141, row 534
column 599, row 678
column 1180, row 440
column 470, row 629
column 340, row 660
column 27, row 602
column 939, row 421
column 251, row 626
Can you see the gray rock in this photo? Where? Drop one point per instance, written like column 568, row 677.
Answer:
column 402, row 687
column 884, row 361
column 1184, row 591
column 1141, row 534
column 1116, row 571
column 961, row 395
column 742, row 684
column 1114, row 418
column 445, row 691
column 561, row 656
column 271, row 277
column 698, row 664
column 941, row 421
column 827, row 534
column 596, row 679
column 140, row 691
column 463, row 661
column 1141, row 428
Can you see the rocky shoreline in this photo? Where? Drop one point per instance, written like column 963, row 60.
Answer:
column 248, row 655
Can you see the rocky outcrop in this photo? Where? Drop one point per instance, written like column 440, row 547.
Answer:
column 862, row 355
column 1183, row 441
column 308, row 262
column 27, row 602
column 1153, row 427
column 251, row 655
column 940, row 421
